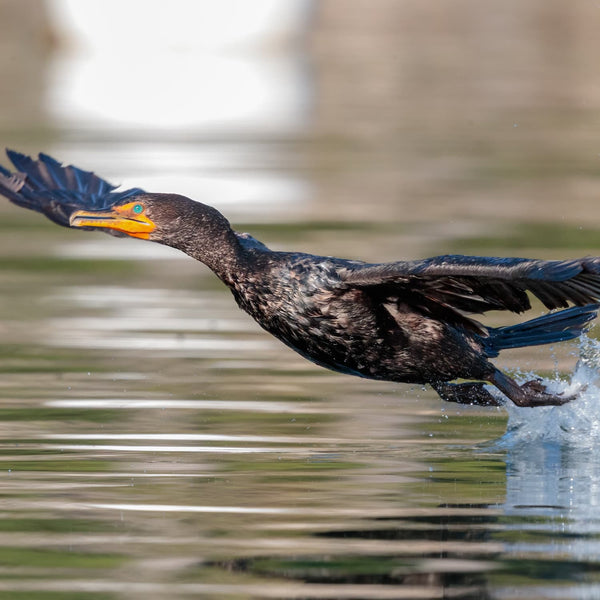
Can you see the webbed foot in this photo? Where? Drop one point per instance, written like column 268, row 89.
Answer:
column 531, row 393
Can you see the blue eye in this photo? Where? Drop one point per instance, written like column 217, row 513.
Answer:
column 137, row 209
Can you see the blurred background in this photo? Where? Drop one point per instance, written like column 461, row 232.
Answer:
column 154, row 441
column 442, row 123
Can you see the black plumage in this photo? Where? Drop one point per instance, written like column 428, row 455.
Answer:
column 406, row 321
column 46, row 186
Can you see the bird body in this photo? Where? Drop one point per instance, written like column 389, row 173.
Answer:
column 304, row 301
column 406, row 321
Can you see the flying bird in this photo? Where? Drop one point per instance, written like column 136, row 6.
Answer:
column 405, row 321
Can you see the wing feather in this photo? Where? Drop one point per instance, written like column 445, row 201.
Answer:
column 48, row 187
column 477, row 284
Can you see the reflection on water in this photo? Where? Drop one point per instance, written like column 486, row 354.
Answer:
column 154, row 442
column 182, row 475
column 234, row 46
column 553, row 473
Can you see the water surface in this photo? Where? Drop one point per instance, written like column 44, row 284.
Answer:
column 156, row 442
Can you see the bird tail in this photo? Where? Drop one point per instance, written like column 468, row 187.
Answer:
column 46, row 186
column 548, row 329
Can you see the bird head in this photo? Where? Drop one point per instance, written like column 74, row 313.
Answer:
column 164, row 218
column 197, row 229
column 130, row 217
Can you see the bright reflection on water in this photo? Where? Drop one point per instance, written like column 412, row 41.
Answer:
column 225, row 43
column 155, row 442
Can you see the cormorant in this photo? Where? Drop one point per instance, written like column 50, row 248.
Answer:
column 403, row 321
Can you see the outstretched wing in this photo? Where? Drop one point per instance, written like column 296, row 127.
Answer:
column 46, row 186
column 476, row 284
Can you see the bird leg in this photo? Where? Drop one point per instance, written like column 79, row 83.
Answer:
column 531, row 393
column 465, row 393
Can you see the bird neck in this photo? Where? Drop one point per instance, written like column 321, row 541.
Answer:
column 219, row 249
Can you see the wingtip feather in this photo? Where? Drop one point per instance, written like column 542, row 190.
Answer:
column 46, row 186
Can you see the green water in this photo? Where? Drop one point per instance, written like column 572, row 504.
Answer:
column 156, row 443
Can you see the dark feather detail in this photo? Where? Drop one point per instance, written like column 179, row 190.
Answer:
column 547, row 329
column 478, row 284
column 48, row 187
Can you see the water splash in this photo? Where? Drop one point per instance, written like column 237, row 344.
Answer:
column 575, row 424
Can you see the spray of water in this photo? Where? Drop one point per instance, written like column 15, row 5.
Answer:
column 576, row 424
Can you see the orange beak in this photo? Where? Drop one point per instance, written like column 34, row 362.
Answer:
column 121, row 218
